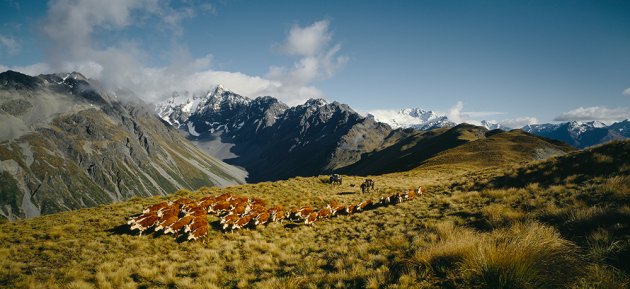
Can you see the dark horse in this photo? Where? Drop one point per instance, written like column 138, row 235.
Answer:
column 335, row 179
column 367, row 186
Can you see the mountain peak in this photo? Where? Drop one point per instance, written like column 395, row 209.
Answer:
column 316, row 102
column 416, row 118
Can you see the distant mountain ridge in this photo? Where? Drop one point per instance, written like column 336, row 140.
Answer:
column 66, row 144
column 579, row 134
column 274, row 141
column 582, row 134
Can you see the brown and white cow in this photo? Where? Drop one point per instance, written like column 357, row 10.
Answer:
column 311, row 218
column 179, row 225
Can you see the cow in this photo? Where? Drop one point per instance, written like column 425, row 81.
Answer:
column 156, row 207
column 199, row 231
column 220, row 207
column 179, row 225
column 262, row 218
column 365, row 205
column 242, row 222
column 324, row 213
column 198, row 227
column 276, row 213
column 229, row 220
column 350, row 209
column 335, row 207
column 311, row 218
column 409, row 195
column 336, row 179
column 420, row 191
column 169, row 216
column 144, row 221
column 303, row 213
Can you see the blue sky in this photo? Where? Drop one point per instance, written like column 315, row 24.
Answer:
column 516, row 62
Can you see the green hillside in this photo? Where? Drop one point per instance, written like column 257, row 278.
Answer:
column 557, row 223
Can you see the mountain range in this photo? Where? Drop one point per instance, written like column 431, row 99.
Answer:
column 579, row 134
column 67, row 144
column 272, row 140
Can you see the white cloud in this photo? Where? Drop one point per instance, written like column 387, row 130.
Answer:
column 455, row 112
column 518, row 122
column 457, row 115
column 318, row 61
column 626, row 92
column 599, row 113
column 71, row 27
column 9, row 44
column 307, row 41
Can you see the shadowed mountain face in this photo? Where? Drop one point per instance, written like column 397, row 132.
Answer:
column 272, row 141
column 65, row 144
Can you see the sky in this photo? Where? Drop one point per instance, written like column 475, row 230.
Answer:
column 514, row 62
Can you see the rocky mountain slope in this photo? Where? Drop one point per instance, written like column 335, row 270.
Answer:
column 271, row 140
column 65, row 144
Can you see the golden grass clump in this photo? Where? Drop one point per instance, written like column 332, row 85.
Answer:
column 526, row 255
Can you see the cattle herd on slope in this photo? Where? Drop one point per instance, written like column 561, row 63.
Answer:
column 190, row 217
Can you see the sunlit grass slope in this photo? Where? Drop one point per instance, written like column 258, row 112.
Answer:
column 492, row 227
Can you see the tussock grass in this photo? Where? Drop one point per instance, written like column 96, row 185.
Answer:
column 494, row 227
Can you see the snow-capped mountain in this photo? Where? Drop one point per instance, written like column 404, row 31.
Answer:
column 416, row 118
column 270, row 139
column 581, row 134
column 490, row 125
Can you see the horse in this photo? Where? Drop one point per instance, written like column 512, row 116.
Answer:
column 367, row 186
column 335, row 179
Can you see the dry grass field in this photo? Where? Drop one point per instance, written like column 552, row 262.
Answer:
column 559, row 223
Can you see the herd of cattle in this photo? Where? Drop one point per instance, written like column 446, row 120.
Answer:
column 190, row 216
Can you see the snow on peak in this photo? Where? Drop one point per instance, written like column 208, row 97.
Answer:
column 316, row 102
column 411, row 117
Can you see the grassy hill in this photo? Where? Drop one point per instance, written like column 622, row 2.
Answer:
column 464, row 146
column 557, row 223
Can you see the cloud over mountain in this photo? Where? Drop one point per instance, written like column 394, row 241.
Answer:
column 598, row 113
column 89, row 36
